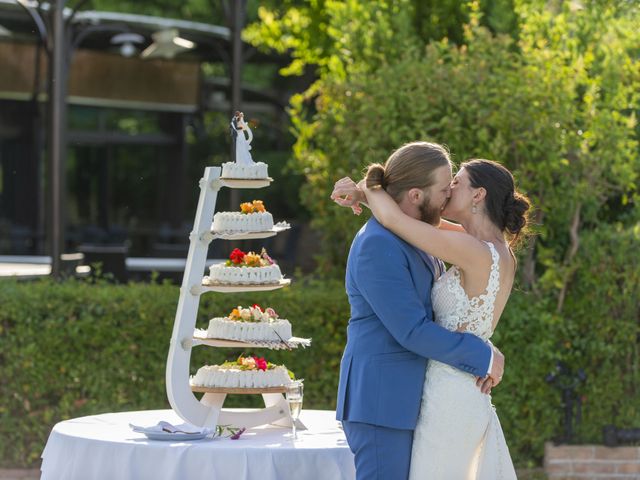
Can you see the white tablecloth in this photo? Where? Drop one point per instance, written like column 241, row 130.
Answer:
column 105, row 447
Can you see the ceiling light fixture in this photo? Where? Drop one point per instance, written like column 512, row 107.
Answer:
column 127, row 42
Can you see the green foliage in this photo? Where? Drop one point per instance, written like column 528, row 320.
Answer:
column 597, row 331
column 339, row 36
column 558, row 107
column 334, row 35
column 603, row 329
column 437, row 19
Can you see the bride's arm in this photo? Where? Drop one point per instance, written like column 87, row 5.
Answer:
column 453, row 247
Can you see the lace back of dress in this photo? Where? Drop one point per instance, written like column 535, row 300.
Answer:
column 474, row 315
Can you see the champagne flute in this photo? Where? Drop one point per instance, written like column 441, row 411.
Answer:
column 294, row 396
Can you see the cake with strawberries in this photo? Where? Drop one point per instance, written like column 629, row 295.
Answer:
column 252, row 217
column 246, row 372
column 245, row 269
column 250, row 324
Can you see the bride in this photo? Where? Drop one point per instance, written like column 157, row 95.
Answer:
column 458, row 434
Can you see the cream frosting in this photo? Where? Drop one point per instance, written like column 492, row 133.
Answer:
column 241, row 222
column 226, row 328
column 220, row 273
column 254, row 171
column 230, row 377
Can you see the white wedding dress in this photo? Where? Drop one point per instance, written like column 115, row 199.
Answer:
column 458, row 435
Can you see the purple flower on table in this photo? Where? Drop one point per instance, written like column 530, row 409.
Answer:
column 236, row 435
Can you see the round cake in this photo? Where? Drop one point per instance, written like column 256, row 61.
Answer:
column 222, row 274
column 238, row 222
column 250, row 324
column 245, row 269
column 255, row 171
column 253, row 217
column 246, row 372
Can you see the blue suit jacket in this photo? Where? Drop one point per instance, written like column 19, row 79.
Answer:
column 391, row 333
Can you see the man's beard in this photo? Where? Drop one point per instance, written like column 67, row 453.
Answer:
column 429, row 213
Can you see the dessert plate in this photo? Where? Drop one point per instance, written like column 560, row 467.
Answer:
column 228, row 287
column 235, row 235
column 245, row 182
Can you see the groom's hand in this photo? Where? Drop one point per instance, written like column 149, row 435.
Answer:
column 495, row 375
column 497, row 369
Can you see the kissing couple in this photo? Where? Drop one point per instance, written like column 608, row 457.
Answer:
column 418, row 368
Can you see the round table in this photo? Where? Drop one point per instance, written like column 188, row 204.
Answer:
column 105, row 447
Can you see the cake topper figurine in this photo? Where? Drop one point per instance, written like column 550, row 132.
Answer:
column 241, row 142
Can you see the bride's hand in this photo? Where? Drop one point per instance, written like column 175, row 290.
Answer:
column 347, row 194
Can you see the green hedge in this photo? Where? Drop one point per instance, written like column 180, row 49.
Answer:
column 74, row 348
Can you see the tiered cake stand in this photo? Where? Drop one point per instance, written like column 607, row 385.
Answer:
column 208, row 411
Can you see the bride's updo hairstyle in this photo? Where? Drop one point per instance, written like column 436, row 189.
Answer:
column 505, row 206
column 410, row 166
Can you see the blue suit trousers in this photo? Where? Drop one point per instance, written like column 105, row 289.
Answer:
column 381, row 453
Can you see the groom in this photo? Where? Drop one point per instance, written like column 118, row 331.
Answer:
column 391, row 332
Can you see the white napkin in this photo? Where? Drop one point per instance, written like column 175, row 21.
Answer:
column 166, row 427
